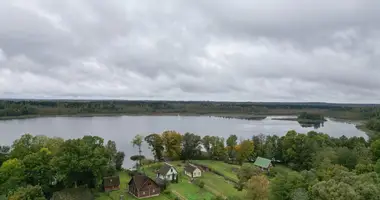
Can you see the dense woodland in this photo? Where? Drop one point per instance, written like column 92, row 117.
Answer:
column 35, row 167
column 25, row 108
column 323, row 167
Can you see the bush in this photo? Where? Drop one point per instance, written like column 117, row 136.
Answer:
column 199, row 183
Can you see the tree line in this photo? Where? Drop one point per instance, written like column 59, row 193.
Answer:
column 17, row 108
column 35, row 167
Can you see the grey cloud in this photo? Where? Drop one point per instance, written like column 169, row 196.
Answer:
column 203, row 50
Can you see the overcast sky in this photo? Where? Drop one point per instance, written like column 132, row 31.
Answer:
column 243, row 50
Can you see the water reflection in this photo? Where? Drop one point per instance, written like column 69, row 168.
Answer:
column 315, row 125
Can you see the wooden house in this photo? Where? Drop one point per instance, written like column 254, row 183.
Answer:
column 141, row 186
column 111, row 183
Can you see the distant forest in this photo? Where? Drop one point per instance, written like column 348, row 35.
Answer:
column 31, row 108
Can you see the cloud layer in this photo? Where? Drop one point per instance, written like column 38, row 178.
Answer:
column 191, row 50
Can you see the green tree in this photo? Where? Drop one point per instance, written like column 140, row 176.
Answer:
column 111, row 149
column 156, row 144
column 244, row 151
column 346, row 157
column 377, row 167
column 119, row 159
column 257, row 188
column 333, row 190
column 172, row 143
column 81, row 162
column 206, row 142
column 375, row 148
column 245, row 173
column 283, row 186
column 137, row 141
column 218, row 151
column 231, row 144
column 12, row 175
column 191, row 146
column 4, row 150
column 37, row 168
column 260, row 148
column 27, row 193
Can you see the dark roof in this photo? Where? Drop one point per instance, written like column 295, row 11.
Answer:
column 111, row 181
column 165, row 168
column 139, row 180
column 262, row 162
column 190, row 168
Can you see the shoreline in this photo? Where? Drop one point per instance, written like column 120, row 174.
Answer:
column 300, row 120
column 370, row 133
column 228, row 116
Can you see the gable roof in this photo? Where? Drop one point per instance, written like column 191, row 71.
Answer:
column 262, row 162
column 140, row 180
column 165, row 168
column 111, row 181
column 190, row 168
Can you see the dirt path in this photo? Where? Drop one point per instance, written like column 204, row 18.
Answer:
column 179, row 195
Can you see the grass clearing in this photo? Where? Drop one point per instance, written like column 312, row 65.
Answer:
column 228, row 170
column 220, row 185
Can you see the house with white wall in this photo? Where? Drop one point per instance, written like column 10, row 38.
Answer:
column 192, row 171
column 167, row 172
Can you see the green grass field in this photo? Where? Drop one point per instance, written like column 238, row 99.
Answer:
column 219, row 185
column 228, row 170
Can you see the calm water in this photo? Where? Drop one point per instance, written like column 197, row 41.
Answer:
column 122, row 129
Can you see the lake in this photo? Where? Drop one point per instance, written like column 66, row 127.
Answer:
column 122, row 129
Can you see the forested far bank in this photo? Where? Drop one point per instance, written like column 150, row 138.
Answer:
column 249, row 110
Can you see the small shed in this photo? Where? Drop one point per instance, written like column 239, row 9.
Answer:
column 111, row 183
column 192, row 171
column 263, row 163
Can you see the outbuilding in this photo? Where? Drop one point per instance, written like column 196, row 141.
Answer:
column 192, row 171
column 263, row 163
column 111, row 183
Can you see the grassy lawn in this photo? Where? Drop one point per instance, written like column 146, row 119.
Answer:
column 219, row 185
column 228, row 170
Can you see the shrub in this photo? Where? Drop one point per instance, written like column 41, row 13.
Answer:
column 199, row 183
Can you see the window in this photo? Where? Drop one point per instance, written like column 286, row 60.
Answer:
column 153, row 190
column 143, row 193
column 171, row 170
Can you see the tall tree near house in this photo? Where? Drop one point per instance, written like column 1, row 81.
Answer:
column 191, row 146
column 218, row 151
column 156, row 144
column 244, row 151
column 206, row 142
column 111, row 149
column 119, row 159
column 137, row 141
column 231, row 144
column 172, row 142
